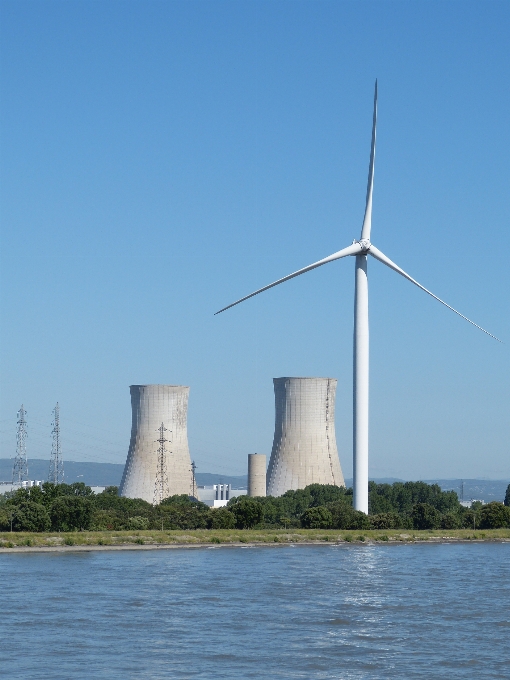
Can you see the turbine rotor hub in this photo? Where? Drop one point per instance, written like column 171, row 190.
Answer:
column 365, row 245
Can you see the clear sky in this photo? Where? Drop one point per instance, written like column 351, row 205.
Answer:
column 160, row 160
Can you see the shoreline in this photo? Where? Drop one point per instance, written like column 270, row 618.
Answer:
column 433, row 540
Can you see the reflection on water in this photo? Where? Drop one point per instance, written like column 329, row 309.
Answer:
column 360, row 612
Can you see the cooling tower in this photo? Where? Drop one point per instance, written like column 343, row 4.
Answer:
column 256, row 474
column 304, row 447
column 152, row 405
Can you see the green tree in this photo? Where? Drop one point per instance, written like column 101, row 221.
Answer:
column 183, row 500
column 71, row 513
column 494, row 516
column 385, row 520
column 345, row 517
column 470, row 518
column 180, row 516
column 221, row 518
column 247, row 511
column 317, row 518
column 321, row 494
column 425, row 516
column 108, row 520
column 451, row 520
column 6, row 515
column 507, row 496
column 30, row 516
column 123, row 507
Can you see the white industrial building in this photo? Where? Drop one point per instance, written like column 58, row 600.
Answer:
column 218, row 495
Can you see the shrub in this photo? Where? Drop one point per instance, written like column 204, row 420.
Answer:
column 137, row 523
column 106, row 520
column 317, row 518
column 385, row 520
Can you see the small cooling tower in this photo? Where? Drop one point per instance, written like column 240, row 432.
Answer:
column 152, row 405
column 304, row 447
column 256, row 474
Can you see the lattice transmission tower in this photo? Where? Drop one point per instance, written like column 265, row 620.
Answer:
column 161, row 489
column 193, row 480
column 56, row 473
column 20, row 468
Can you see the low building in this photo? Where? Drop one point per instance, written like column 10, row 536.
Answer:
column 469, row 504
column 28, row 484
column 218, row 495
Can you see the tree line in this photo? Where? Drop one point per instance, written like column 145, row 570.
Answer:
column 402, row 505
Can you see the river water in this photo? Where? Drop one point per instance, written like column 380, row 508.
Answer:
column 353, row 611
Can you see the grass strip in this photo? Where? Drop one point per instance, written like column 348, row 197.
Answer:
column 236, row 536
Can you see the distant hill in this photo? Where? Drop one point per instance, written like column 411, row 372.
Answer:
column 478, row 489
column 110, row 474
column 103, row 474
column 93, row 474
column 208, row 478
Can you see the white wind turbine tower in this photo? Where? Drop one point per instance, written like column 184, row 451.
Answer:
column 360, row 250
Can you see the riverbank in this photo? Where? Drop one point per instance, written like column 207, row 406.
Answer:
column 153, row 540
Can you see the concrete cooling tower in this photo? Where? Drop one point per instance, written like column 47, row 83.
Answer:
column 256, row 474
column 152, row 405
column 304, row 447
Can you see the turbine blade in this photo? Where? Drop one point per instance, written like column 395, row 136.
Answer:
column 350, row 250
column 367, row 221
column 375, row 252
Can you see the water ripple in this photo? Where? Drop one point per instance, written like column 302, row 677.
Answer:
column 316, row 612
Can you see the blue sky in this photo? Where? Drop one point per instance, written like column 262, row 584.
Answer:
column 161, row 159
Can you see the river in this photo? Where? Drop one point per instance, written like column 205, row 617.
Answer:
column 407, row 611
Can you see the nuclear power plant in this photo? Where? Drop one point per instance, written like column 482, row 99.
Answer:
column 153, row 405
column 304, row 446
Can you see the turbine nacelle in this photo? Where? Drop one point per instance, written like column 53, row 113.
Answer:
column 365, row 245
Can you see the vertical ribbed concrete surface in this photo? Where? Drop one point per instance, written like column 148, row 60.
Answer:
column 152, row 405
column 304, row 447
column 256, row 474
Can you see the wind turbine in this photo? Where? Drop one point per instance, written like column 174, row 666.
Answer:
column 360, row 250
